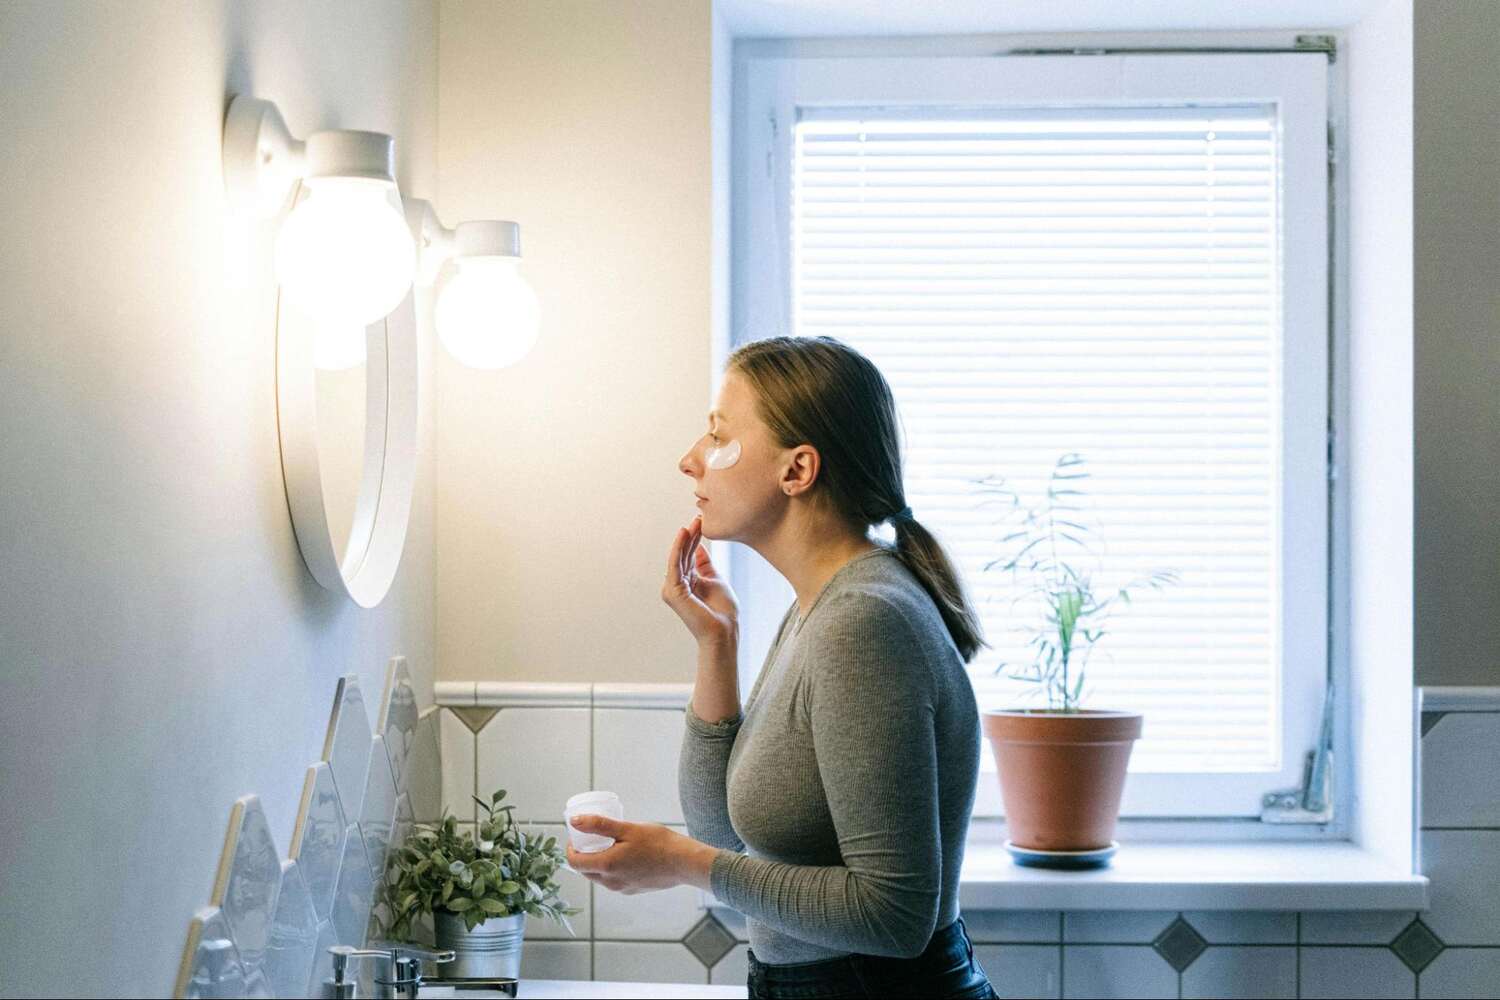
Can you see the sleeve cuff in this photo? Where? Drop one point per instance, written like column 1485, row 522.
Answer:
column 721, row 877
column 713, row 730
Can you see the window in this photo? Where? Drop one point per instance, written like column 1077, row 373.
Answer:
column 1119, row 256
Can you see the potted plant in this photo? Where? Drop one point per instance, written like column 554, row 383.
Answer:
column 478, row 893
column 1062, row 768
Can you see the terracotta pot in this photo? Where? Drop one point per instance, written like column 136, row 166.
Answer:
column 1061, row 774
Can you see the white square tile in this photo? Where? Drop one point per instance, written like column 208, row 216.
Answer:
column 1115, row 926
column 1022, row 970
column 458, row 766
column 636, row 962
column 1261, row 972
column 575, row 890
column 555, row 960
column 1354, row 926
column 1244, row 926
column 650, row 916
column 1464, row 895
column 1462, row 972
column 1337, row 973
column 540, row 756
column 1104, row 971
column 733, row 969
column 1461, row 770
column 1012, row 926
column 635, row 756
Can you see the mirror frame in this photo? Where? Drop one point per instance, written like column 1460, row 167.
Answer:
column 366, row 568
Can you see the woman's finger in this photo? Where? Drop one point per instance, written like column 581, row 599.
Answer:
column 606, row 826
column 674, row 557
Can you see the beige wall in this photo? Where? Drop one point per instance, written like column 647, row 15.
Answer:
column 163, row 650
column 1457, row 166
column 558, row 490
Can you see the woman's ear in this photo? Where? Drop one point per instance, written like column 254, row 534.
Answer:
column 803, row 463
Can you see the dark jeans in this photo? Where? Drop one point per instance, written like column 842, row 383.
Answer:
column 946, row 969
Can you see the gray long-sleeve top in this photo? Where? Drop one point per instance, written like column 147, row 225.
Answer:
column 840, row 797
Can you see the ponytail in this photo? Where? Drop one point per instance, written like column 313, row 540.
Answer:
column 925, row 556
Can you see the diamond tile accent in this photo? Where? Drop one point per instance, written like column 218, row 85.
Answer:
column 709, row 941
column 1417, row 946
column 1180, row 944
column 474, row 718
column 1430, row 719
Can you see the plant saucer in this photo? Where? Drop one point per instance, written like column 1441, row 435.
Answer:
column 1029, row 857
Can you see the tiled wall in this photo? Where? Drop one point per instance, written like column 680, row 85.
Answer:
column 269, row 918
column 545, row 742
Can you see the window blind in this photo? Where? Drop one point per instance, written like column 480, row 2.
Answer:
column 1100, row 281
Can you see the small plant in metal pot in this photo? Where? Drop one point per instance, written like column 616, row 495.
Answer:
column 479, row 892
column 1062, row 768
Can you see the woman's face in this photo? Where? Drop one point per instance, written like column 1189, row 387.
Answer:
column 735, row 466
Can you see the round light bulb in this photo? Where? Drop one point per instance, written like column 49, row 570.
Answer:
column 345, row 255
column 486, row 313
column 336, row 348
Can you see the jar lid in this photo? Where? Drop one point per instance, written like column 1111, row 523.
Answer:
column 589, row 797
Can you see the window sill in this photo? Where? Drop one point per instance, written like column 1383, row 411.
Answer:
column 1194, row 875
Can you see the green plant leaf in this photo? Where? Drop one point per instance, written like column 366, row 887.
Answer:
column 459, row 903
column 509, row 888
column 492, row 906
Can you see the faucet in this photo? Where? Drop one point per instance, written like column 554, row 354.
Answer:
column 401, row 975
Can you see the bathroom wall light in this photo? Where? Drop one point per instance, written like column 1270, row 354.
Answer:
column 344, row 258
column 344, row 255
column 486, row 313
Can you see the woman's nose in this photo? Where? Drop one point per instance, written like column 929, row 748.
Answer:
column 688, row 464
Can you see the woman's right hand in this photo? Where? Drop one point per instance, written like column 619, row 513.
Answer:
column 693, row 588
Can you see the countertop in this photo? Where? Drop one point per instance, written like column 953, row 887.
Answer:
column 550, row 988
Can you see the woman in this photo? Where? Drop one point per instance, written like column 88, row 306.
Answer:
column 832, row 810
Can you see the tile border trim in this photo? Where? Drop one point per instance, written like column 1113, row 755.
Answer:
column 1459, row 699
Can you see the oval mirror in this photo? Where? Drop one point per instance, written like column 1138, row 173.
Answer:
column 347, row 418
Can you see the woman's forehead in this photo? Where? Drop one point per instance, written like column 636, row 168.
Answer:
column 734, row 405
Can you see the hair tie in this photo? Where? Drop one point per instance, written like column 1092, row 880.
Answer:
column 904, row 514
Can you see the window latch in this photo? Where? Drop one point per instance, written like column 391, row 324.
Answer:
column 1312, row 800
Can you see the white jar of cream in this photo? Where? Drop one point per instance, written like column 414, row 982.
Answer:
column 591, row 803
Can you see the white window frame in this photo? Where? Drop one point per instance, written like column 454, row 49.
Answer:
column 771, row 94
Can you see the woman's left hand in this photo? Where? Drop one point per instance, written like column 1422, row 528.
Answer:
column 643, row 858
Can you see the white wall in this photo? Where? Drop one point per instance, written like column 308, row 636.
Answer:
column 588, row 122
column 162, row 648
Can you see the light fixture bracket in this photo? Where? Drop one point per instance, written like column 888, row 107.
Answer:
column 262, row 161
